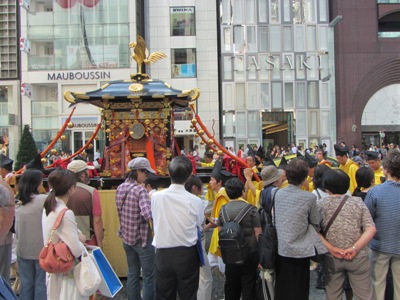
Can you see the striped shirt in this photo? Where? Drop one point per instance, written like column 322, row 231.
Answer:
column 383, row 201
column 134, row 212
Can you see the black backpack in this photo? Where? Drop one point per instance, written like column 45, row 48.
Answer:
column 232, row 241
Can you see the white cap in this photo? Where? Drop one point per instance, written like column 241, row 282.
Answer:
column 78, row 165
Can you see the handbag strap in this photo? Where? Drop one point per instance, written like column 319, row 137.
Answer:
column 335, row 215
column 56, row 224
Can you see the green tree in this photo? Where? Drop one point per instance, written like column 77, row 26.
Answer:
column 27, row 149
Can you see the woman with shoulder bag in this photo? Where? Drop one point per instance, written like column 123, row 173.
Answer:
column 63, row 183
column 347, row 229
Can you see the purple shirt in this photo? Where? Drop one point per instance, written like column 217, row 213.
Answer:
column 134, row 212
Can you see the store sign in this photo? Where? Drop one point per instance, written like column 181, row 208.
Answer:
column 82, row 75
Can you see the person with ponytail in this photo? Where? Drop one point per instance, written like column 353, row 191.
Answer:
column 365, row 181
column 62, row 183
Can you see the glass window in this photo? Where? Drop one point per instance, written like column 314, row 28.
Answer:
column 44, row 108
column 263, row 38
column 238, row 39
column 262, row 11
column 241, row 125
column 301, row 95
column 300, row 67
column 229, row 124
column 264, row 96
column 240, row 96
column 287, row 38
column 287, row 7
column 323, row 10
column 183, row 21
column 325, row 123
column 253, row 67
column 313, row 94
column 252, row 99
column 298, row 12
column 229, row 101
column 239, row 68
column 311, row 11
column 251, row 39
column 228, row 69
column 275, row 11
column 183, row 63
column 322, row 38
column 226, row 17
column 275, row 38
column 324, row 94
column 301, row 123
column 44, row 122
column 311, row 38
column 276, row 72
column 250, row 11
column 312, row 67
column 237, row 12
column 276, row 95
column 253, row 123
column 265, row 65
column 288, row 66
column 313, row 123
column 299, row 38
column 227, row 39
column 289, row 97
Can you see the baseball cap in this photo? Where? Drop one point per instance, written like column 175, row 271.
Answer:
column 140, row 163
column 77, row 166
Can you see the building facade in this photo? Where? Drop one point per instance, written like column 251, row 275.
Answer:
column 367, row 47
column 277, row 72
column 9, row 77
column 81, row 45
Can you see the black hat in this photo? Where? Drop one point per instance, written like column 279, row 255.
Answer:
column 341, row 151
column 220, row 174
column 371, row 155
column 311, row 161
column 283, row 163
column 250, row 150
column 299, row 155
column 6, row 163
column 36, row 163
column 268, row 161
column 260, row 152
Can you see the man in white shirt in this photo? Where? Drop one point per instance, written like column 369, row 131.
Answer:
column 177, row 215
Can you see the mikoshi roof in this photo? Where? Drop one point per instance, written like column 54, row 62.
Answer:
column 124, row 94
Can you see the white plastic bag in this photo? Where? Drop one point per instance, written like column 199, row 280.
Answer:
column 87, row 276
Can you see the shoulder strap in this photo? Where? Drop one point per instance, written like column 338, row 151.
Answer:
column 335, row 215
column 225, row 216
column 273, row 206
column 319, row 195
column 59, row 218
column 242, row 213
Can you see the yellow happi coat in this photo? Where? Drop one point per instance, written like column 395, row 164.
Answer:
column 220, row 200
column 350, row 168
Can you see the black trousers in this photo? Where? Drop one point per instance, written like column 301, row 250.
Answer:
column 177, row 271
column 240, row 280
column 292, row 278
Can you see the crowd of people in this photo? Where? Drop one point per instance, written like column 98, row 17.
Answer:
column 345, row 218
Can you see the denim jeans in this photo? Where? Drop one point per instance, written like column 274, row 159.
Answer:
column 140, row 258
column 33, row 280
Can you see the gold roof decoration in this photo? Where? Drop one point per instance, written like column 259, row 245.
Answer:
column 140, row 53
